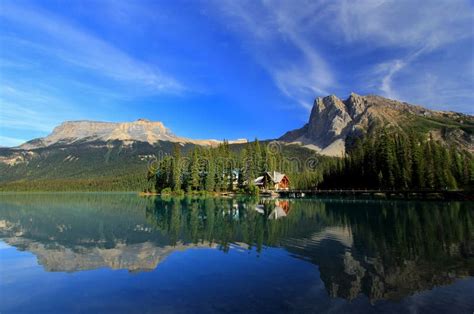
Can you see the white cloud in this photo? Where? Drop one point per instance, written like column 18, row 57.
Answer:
column 6, row 141
column 275, row 30
column 390, row 69
column 402, row 23
column 287, row 38
column 24, row 107
column 46, row 76
column 63, row 40
column 412, row 31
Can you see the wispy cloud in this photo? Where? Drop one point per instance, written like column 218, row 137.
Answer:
column 56, row 70
column 390, row 69
column 412, row 32
column 6, row 141
column 401, row 23
column 19, row 117
column 71, row 44
column 291, row 39
column 23, row 107
column 114, row 59
column 276, row 33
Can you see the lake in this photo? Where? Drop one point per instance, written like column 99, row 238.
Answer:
column 114, row 253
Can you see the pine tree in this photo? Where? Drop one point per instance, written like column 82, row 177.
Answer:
column 418, row 170
column 210, row 182
column 386, row 159
column 257, row 159
column 263, row 167
column 194, row 171
column 176, row 165
column 439, row 172
column 429, row 173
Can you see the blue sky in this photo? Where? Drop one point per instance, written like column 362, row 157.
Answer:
column 224, row 69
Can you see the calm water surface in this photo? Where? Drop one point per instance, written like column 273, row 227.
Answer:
column 63, row 253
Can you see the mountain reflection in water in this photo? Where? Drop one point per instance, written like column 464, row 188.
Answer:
column 383, row 250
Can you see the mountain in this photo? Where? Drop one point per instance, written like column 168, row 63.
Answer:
column 334, row 122
column 92, row 155
column 89, row 155
column 141, row 130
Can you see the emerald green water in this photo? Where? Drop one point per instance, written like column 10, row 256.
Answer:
column 114, row 253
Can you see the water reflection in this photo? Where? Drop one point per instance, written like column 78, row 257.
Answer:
column 384, row 250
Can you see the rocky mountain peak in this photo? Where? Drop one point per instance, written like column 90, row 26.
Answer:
column 356, row 104
column 328, row 119
column 333, row 120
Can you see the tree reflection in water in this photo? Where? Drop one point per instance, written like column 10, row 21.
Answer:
column 385, row 250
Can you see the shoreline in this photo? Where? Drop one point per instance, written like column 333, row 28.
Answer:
column 458, row 195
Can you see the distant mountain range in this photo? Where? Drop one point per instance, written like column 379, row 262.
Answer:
column 332, row 122
column 90, row 149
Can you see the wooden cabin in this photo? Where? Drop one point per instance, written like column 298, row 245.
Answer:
column 273, row 181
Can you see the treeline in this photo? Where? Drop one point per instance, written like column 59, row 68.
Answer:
column 131, row 182
column 386, row 160
column 221, row 169
column 401, row 162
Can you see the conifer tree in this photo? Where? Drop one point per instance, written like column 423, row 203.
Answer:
column 210, row 182
column 194, row 171
column 176, row 166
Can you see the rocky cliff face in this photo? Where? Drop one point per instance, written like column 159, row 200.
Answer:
column 141, row 130
column 333, row 120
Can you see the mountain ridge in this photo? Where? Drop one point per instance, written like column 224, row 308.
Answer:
column 142, row 130
column 332, row 121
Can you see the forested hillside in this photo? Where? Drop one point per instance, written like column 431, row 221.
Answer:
column 119, row 166
column 389, row 160
column 385, row 160
column 88, row 166
column 401, row 161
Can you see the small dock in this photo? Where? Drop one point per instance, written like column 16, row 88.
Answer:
column 381, row 194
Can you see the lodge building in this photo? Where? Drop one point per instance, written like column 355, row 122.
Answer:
column 273, row 181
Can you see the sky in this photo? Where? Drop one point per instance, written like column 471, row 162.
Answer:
column 225, row 68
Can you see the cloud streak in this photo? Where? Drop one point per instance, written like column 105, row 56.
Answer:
column 401, row 23
column 392, row 68
column 414, row 43
column 120, row 59
column 293, row 42
column 77, row 47
column 413, row 35
column 32, row 109
column 269, row 28
column 55, row 69
column 7, row 141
